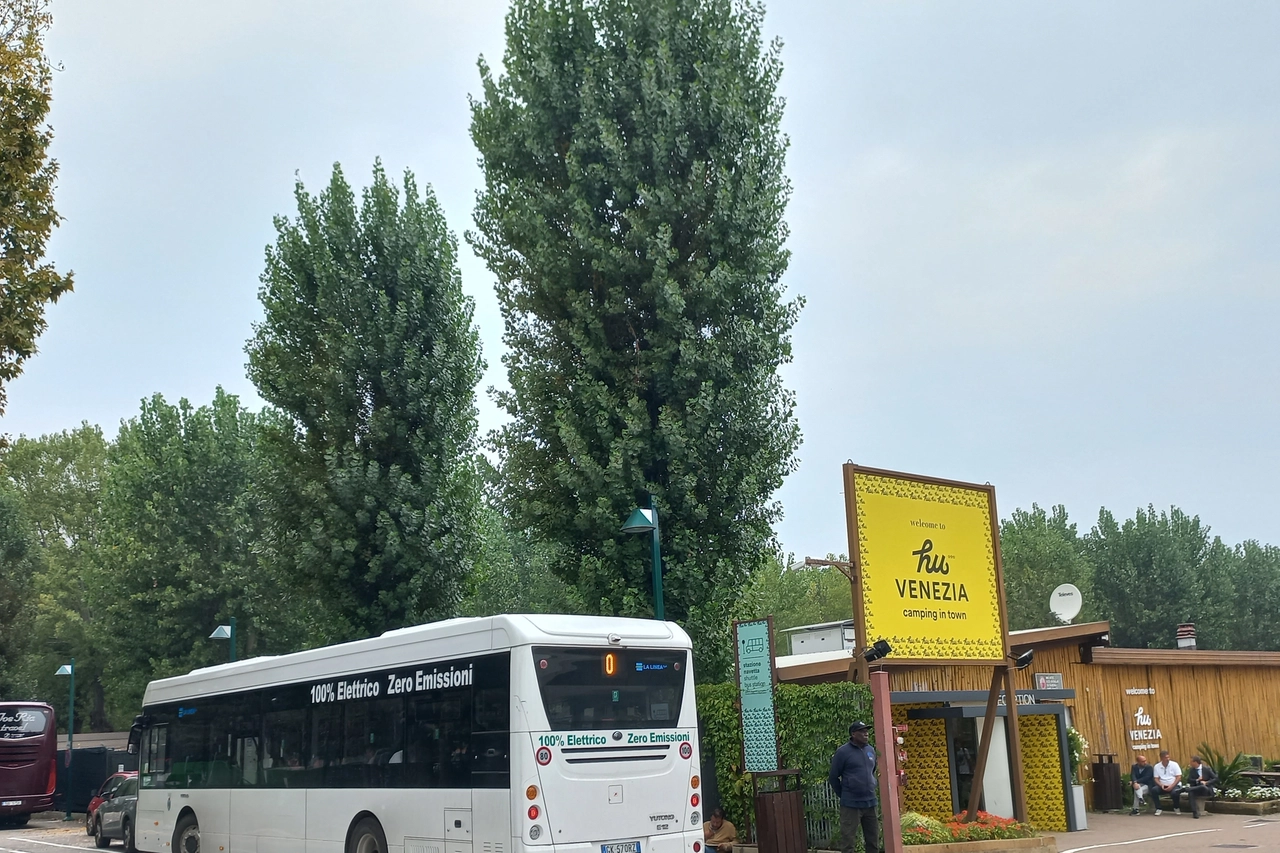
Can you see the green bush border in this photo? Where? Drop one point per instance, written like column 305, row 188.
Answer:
column 813, row 720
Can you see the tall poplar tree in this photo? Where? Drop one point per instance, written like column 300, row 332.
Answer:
column 368, row 352
column 632, row 213
column 27, row 176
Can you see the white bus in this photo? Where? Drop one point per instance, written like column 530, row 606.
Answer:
column 560, row 734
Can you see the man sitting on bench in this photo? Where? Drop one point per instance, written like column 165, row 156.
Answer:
column 1168, row 775
column 1143, row 780
column 1200, row 778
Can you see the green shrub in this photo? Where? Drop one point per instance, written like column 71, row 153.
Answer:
column 813, row 720
column 915, row 820
column 1229, row 777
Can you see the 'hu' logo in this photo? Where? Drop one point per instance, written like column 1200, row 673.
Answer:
column 1142, row 718
column 931, row 565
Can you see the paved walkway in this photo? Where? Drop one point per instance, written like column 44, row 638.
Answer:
column 1172, row 833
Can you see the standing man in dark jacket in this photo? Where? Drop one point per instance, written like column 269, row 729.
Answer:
column 853, row 776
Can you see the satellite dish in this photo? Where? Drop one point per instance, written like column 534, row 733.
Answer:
column 1065, row 602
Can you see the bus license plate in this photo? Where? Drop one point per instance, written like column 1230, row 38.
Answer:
column 621, row 847
column 11, row 803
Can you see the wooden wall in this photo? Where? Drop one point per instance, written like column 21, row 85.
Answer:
column 1231, row 706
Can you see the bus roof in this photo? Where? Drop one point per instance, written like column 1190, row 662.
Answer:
column 435, row 640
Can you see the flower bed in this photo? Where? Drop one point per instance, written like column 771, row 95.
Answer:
column 918, row 830
column 1253, row 795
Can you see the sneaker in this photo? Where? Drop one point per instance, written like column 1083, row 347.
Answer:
column 1135, row 811
column 1177, row 811
column 1157, row 813
column 1196, row 816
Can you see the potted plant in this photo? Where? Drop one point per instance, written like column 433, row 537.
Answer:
column 1077, row 749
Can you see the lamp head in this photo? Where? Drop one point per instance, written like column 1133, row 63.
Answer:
column 640, row 521
column 1024, row 660
column 65, row 669
column 222, row 632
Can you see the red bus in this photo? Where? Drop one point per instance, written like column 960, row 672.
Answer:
column 28, row 760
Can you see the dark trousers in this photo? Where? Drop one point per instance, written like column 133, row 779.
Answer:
column 1156, row 793
column 1193, row 793
column 849, row 822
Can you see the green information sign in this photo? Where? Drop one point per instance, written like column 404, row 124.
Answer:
column 755, row 686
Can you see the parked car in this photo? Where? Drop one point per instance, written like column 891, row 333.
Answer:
column 117, row 815
column 109, row 784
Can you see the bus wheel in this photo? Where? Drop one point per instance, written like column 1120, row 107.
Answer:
column 99, row 840
column 126, row 830
column 367, row 837
column 187, row 835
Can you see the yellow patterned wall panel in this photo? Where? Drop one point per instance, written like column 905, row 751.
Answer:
column 1042, row 770
column 928, row 788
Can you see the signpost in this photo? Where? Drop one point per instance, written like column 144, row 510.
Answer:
column 754, row 656
column 927, row 578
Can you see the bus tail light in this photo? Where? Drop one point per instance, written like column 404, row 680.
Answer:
column 535, row 832
column 534, row 811
column 53, row 777
column 693, row 783
column 694, row 800
column 531, row 792
column 697, row 846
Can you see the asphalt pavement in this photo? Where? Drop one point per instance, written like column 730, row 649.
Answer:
column 1168, row 833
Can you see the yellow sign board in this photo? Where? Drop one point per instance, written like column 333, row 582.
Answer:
column 928, row 566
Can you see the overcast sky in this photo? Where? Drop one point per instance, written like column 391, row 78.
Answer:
column 1038, row 241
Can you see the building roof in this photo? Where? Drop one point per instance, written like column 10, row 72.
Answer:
column 818, row 626
column 1090, row 633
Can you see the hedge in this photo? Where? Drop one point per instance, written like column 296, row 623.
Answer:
column 813, row 720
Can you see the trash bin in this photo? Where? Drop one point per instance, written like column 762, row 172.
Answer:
column 1108, row 794
column 780, row 814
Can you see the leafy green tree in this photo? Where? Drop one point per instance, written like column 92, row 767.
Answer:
column 368, row 352
column 18, row 565
column 59, row 478
column 632, row 213
column 177, row 557
column 796, row 594
column 1159, row 569
column 1041, row 550
column 27, row 177
column 1256, row 610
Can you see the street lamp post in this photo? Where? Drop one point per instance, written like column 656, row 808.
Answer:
column 645, row 520
column 69, row 669
column 226, row 632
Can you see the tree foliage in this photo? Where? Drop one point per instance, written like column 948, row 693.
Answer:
column 796, row 595
column 18, row 566
column 1159, row 569
column 632, row 213
column 177, row 556
column 59, row 479
column 1040, row 551
column 368, row 353
column 27, row 178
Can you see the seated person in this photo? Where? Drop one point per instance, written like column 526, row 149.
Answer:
column 1143, row 779
column 719, row 834
column 1200, row 779
column 1168, row 776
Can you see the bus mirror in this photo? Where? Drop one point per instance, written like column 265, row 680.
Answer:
column 135, row 737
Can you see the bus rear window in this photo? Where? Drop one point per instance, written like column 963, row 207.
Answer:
column 610, row 688
column 22, row 722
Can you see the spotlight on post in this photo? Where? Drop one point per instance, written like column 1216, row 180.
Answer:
column 1024, row 660
column 877, row 650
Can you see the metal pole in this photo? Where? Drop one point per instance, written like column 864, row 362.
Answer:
column 233, row 639
column 71, row 739
column 887, row 741
column 659, row 612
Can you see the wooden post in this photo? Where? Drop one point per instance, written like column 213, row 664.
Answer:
column 1016, row 780
column 887, row 741
column 858, row 670
column 984, row 746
